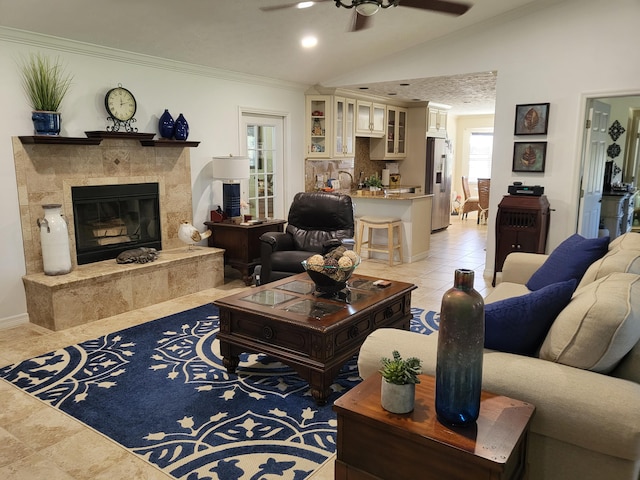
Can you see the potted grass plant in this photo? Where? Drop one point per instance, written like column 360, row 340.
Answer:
column 45, row 82
column 399, row 378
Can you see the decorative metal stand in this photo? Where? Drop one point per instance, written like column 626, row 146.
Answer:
column 117, row 124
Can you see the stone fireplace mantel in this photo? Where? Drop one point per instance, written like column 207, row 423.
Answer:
column 45, row 174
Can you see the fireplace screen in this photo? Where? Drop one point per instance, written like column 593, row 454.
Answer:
column 110, row 219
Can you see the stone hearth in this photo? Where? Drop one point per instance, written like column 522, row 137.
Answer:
column 103, row 289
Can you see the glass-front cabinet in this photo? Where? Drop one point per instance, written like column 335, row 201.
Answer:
column 344, row 113
column 318, row 126
column 393, row 146
column 370, row 119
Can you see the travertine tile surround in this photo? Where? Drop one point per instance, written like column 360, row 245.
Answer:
column 46, row 173
column 104, row 289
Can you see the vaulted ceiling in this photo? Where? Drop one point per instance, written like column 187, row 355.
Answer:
column 236, row 35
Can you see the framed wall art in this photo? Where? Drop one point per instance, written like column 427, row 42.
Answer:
column 529, row 156
column 532, row 119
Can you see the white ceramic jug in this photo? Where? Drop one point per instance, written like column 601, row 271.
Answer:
column 54, row 238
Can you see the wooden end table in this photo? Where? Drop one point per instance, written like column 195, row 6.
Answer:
column 313, row 334
column 241, row 243
column 374, row 444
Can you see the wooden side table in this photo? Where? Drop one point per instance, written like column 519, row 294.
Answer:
column 374, row 444
column 241, row 243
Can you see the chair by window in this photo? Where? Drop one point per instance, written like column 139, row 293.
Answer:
column 470, row 203
column 484, row 188
column 317, row 223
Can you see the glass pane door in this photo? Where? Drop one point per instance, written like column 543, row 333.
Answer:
column 261, row 144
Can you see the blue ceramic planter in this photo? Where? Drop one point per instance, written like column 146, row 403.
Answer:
column 46, row 123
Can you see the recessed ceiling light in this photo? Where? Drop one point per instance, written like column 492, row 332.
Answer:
column 405, row 84
column 392, row 93
column 304, row 4
column 309, row 42
column 364, row 88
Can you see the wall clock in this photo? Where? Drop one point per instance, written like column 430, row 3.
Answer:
column 121, row 106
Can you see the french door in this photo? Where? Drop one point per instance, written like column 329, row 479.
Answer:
column 264, row 147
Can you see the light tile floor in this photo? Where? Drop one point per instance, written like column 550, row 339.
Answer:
column 38, row 442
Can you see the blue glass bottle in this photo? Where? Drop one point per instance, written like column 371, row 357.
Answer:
column 460, row 349
column 181, row 128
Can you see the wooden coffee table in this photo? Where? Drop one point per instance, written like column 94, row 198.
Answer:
column 374, row 444
column 313, row 334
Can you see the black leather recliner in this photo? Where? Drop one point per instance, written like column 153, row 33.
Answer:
column 317, row 223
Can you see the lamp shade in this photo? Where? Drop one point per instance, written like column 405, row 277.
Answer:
column 230, row 168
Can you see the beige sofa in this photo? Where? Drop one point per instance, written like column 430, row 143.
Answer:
column 587, row 420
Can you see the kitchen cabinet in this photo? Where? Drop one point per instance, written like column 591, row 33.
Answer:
column 393, row 146
column 344, row 127
column 318, row 126
column 370, row 119
column 436, row 121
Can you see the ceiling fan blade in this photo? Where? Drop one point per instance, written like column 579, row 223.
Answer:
column 359, row 22
column 287, row 5
column 444, row 6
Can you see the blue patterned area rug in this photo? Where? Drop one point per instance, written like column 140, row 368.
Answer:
column 160, row 390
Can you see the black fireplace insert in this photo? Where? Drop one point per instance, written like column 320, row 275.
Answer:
column 110, row 219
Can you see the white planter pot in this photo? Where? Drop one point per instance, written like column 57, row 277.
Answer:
column 397, row 398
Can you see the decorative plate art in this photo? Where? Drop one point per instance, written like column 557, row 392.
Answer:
column 613, row 151
column 615, row 130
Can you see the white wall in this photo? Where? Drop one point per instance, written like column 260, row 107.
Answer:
column 209, row 99
column 559, row 55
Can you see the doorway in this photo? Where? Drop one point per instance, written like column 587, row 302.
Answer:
column 609, row 136
column 264, row 142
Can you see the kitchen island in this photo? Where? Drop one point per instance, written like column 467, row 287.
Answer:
column 413, row 209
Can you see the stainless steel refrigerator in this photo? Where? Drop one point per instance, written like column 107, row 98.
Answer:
column 438, row 181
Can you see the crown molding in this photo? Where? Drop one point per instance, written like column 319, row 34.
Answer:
column 24, row 37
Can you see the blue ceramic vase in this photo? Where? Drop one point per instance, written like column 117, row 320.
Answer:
column 460, row 350
column 166, row 125
column 181, row 128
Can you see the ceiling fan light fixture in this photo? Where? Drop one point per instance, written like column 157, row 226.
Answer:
column 366, row 8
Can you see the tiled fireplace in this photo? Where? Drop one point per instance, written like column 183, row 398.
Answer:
column 48, row 174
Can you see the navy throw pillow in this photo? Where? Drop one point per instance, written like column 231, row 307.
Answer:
column 520, row 324
column 569, row 260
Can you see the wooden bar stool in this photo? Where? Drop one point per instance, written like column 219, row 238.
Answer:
column 373, row 223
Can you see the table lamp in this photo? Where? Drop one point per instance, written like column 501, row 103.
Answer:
column 231, row 170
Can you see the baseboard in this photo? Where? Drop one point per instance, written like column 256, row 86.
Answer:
column 10, row 322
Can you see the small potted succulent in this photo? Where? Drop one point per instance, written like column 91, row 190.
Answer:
column 45, row 83
column 399, row 378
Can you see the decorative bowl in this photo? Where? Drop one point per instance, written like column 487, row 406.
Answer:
column 328, row 278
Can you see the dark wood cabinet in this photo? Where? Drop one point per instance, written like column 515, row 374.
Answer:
column 241, row 243
column 522, row 225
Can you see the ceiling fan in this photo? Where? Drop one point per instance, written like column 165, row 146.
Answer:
column 364, row 9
